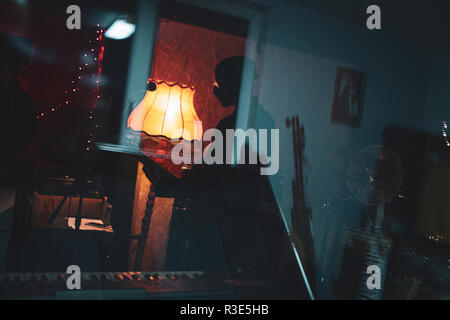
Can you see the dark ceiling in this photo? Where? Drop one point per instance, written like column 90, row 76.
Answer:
column 424, row 21
column 103, row 12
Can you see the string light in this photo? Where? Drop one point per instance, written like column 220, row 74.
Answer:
column 97, row 60
column 444, row 134
column 75, row 89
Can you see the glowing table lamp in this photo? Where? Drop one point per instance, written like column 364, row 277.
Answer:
column 166, row 111
column 164, row 118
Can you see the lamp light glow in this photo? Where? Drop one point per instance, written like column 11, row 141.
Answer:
column 120, row 29
column 167, row 112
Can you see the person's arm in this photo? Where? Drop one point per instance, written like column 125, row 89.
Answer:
column 29, row 125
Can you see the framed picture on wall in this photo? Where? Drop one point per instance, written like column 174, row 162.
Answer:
column 348, row 97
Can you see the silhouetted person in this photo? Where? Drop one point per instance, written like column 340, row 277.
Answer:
column 227, row 86
column 17, row 121
column 223, row 229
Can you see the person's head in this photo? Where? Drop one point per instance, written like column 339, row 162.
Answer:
column 8, row 75
column 227, row 84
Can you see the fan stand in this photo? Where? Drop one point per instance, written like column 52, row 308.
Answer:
column 379, row 218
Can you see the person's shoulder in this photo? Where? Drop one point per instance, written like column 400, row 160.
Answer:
column 226, row 123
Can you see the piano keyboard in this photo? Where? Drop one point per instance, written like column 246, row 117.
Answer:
column 119, row 285
column 99, row 276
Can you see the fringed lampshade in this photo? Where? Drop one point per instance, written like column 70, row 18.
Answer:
column 167, row 110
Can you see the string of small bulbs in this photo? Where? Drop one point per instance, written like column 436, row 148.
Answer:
column 93, row 57
column 444, row 133
column 99, row 60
